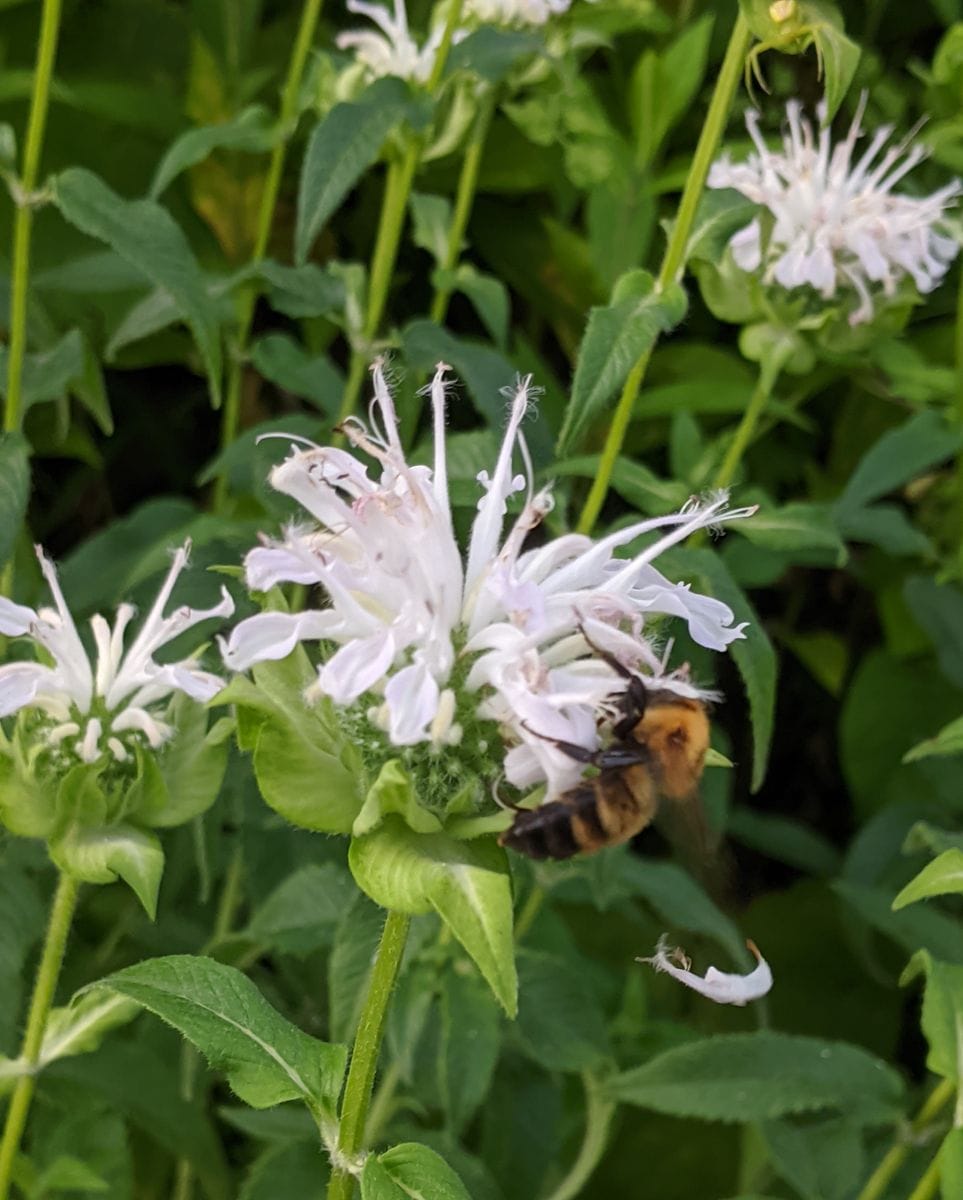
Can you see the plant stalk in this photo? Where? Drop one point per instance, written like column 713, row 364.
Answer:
column 394, row 205
column 674, row 259
column 247, row 297
column 598, row 1118
column 929, row 1182
column 464, row 198
column 766, row 381
column 878, row 1184
column 23, row 218
column 364, row 1055
column 958, row 355
column 45, row 984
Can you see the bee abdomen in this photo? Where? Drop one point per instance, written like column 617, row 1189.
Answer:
column 560, row 829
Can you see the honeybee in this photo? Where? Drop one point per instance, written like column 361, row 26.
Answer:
column 658, row 750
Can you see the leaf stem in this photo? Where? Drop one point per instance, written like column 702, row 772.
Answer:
column 45, row 984
column 364, row 1055
column 929, row 1182
column 394, row 205
column 877, row 1186
column 768, row 374
column 598, row 1118
column 23, row 218
column 674, row 259
column 230, row 417
column 464, row 197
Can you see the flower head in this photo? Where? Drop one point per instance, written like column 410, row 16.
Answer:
column 429, row 642
column 515, row 12
column 393, row 51
column 837, row 224
column 717, row 985
column 92, row 709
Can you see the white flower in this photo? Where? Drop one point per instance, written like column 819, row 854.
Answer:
column 716, row 985
column 837, row 223
column 393, row 51
column 515, row 12
column 103, row 708
column 499, row 635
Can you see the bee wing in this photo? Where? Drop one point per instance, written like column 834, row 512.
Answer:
column 685, row 825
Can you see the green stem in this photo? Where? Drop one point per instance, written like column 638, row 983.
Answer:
column 878, row 1184
column 394, row 205
column 674, row 259
column 598, row 1118
column 230, row 417
column 464, row 197
column 768, row 374
column 364, row 1056
column 23, row 219
column 48, row 972
column 958, row 347
column 929, row 1182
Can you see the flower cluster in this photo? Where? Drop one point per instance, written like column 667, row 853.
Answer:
column 836, row 222
column 515, row 12
column 393, row 51
column 102, row 710
column 507, row 633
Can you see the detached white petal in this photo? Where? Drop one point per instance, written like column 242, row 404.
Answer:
column 716, row 985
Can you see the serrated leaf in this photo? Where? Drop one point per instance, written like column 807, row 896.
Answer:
column 302, row 912
column 285, row 362
column 616, row 336
column 561, row 1023
column 942, row 1016
column 795, row 527
column 839, row 58
column 469, row 1043
column 345, row 143
column 755, row 1076
column 14, row 489
column 146, row 236
column 251, row 130
column 287, row 1172
column 910, row 928
column 80, row 1027
column 948, row 741
column 938, row 878
column 466, row 882
column 266, row 1059
column 899, row 456
column 413, row 1171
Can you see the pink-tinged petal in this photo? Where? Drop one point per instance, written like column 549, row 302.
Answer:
column 412, row 699
column 15, row 619
column 19, row 684
column 717, row 985
column 357, row 667
column 273, row 635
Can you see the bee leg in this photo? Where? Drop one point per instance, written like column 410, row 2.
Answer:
column 635, row 697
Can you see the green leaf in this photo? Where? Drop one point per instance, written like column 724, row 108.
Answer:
column 466, row 883
column 308, row 291
column 910, row 928
column 492, row 53
column 410, row 1170
column 938, row 608
column 469, row 1043
column 349, row 965
column 796, row 527
column 822, row 1158
column 102, row 854
column 634, row 482
column 784, row 840
column 285, row 362
column 755, row 1076
column 942, row 1017
column 430, row 221
column 938, row 878
column 146, row 236
column 48, row 374
column 838, row 59
column 68, row 1174
column 394, row 792
column 899, row 456
column 345, row 143
column 883, row 525
column 251, row 130
column 287, row 1172
column 616, row 336
column 948, row 741
column 484, row 371
column 488, row 296
column 80, row 1026
column 302, row 912
column 721, row 213
column 14, row 490
column 267, row 1060
column 561, row 1023
column 951, row 1164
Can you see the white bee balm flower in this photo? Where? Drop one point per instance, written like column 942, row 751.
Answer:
column 716, row 985
column 837, row 223
column 432, row 639
column 103, row 707
column 515, row 12
column 393, row 51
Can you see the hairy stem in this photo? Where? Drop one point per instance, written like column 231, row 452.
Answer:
column 674, row 259
column 598, row 1118
column 45, row 984
column 364, row 1055
column 745, row 430
column 230, row 418
column 877, row 1187
column 464, row 198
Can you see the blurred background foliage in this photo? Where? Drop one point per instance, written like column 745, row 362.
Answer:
column 851, row 579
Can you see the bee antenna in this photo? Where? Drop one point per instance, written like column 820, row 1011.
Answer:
column 505, row 805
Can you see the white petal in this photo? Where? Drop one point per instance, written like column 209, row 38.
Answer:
column 717, row 985
column 710, row 621
column 357, row 666
column 19, row 684
column 273, row 635
column 412, row 699
column 15, row 619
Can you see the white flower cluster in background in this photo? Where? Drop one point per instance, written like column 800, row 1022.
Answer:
column 836, row 222
column 405, row 609
column 393, row 51
column 515, row 12
column 109, row 706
